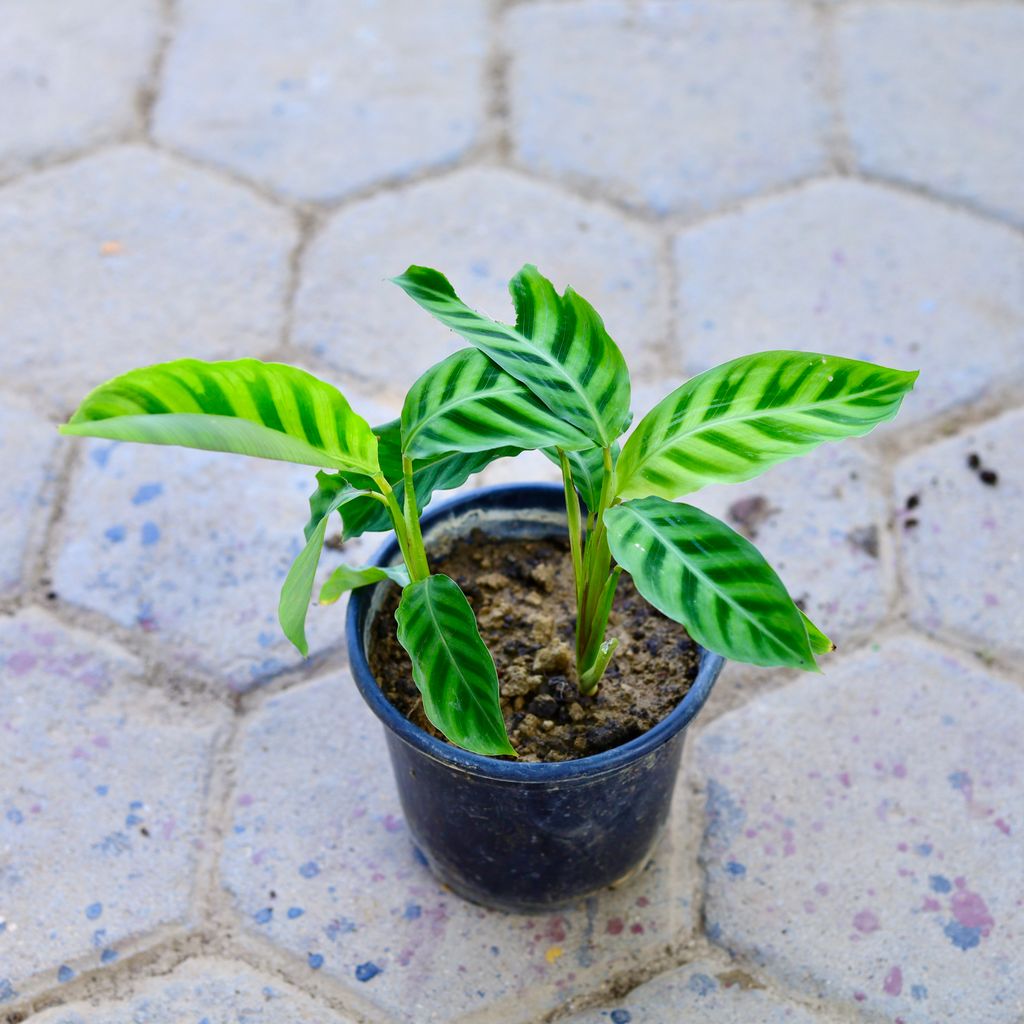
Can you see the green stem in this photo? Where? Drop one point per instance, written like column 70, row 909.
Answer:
column 572, row 510
column 418, row 568
column 398, row 521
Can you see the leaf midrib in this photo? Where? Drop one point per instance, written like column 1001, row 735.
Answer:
column 710, row 583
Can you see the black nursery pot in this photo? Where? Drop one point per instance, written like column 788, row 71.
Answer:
column 524, row 837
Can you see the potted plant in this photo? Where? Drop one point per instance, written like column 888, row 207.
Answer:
column 585, row 804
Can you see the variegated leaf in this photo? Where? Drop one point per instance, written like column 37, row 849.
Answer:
column 734, row 421
column 451, row 666
column 698, row 571
column 467, row 403
column 249, row 407
column 558, row 348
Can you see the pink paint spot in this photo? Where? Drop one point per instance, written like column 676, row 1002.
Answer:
column 900, row 771
column 636, row 929
column 103, row 742
column 821, row 888
column 893, row 984
column 21, row 662
column 391, row 823
column 614, row 926
column 859, row 996
column 931, row 904
column 751, row 833
column 642, row 901
column 844, row 778
column 245, row 800
column 817, row 826
column 555, row 929
column 970, row 910
column 991, row 600
column 1002, row 826
column 902, row 847
column 167, row 829
column 866, row 921
column 79, row 754
column 377, row 876
column 809, row 907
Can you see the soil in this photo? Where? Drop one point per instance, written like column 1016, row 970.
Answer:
column 522, row 592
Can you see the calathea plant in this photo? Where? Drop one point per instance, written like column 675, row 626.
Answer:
column 554, row 381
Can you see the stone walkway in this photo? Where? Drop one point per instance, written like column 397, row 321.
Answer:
column 197, row 827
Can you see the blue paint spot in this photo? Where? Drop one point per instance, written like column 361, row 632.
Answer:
column 108, row 956
column 93, row 911
column 701, row 984
column 419, row 857
column 948, row 720
column 919, row 992
column 15, row 817
column 708, row 325
column 412, row 911
column 64, row 974
column 150, row 533
column 959, row 780
column 99, row 937
column 621, row 1017
column 3, row 927
column 102, row 790
column 939, row 883
column 266, row 639
column 924, row 849
column 339, row 926
column 364, row 972
column 495, row 951
column 147, row 492
column 115, row 534
column 714, row 930
column 132, row 819
column 135, row 805
column 310, row 869
column 725, row 816
column 735, row 868
column 479, row 269
column 263, row 916
column 101, row 456
column 294, row 912
column 961, row 936
column 316, row 961
column 7, row 992
column 239, row 829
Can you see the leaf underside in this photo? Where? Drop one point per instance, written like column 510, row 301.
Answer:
column 698, row 571
column 346, row 578
column 451, row 666
column 245, row 406
column 736, row 420
column 558, row 348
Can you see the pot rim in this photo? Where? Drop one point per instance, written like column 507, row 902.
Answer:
column 477, row 764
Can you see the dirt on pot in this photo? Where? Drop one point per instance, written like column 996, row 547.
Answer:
column 523, row 595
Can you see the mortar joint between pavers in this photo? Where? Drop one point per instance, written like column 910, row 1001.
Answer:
column 41, row 164
column 498, row 107
column 837, row 140
column 149, row 92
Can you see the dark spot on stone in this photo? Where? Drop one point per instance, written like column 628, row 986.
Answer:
column 913, row 501
column 865, row 538
column 144, row 831
column 910, row 524
column 973, row 461
column 51, row 595
column 748, row 514
column 989, row 477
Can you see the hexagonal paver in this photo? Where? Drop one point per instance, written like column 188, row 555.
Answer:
column 861, row 271
column 319, row 99
column 933, row 94
column 864, row 837
column 26, row 459
column 72, row 74
column 318, row 862
column 208, row 989
column 702, row 992
column 191, row 549
column 478, row 227
column 97, row 850
column 961, row 527
column 669, row 106
column 129, row 257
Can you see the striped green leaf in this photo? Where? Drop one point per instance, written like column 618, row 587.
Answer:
column 345, row 578
column 558, row 348
column 467, row 403
column 249, row 407
column 736, row 420
column 697, row 571
column 451, row 666
column 297, row 589
column 363, row 514
column 820, row 643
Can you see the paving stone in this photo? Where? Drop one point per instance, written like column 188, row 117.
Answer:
column 72, row 76
column 861, row 271
column 127, row 258
column 208, row 989
column 864, row 836
column 27, row 446
column 190, row 549
column 97, row 850
column 963, row 538
column 668, row 106
column 319, row 863
column 933, row 94
column 320, row 99
column 478, row 227
column 702, row 992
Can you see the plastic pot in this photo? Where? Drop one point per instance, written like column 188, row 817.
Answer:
column 523, row 837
